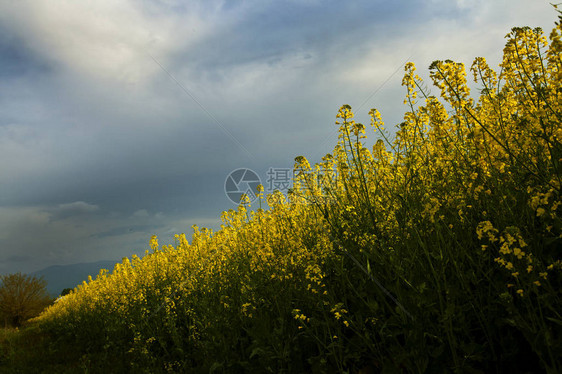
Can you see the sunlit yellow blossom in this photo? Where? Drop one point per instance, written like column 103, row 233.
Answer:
column 154, row 242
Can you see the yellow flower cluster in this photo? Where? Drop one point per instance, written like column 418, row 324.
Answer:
column 466, row 191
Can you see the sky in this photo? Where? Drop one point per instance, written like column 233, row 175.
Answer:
column 123, row 119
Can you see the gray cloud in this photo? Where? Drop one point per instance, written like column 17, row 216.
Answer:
column 119, row 231
column 78, row 207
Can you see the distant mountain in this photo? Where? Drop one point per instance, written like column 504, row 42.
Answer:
column 59, row 277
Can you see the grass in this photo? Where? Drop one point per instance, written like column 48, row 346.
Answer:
column 31, row 350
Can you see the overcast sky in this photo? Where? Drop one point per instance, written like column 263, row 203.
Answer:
column 121, row 119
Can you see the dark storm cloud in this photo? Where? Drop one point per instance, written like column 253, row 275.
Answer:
column 16, row 59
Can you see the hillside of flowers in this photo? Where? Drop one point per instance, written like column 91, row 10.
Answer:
column 438, row 249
